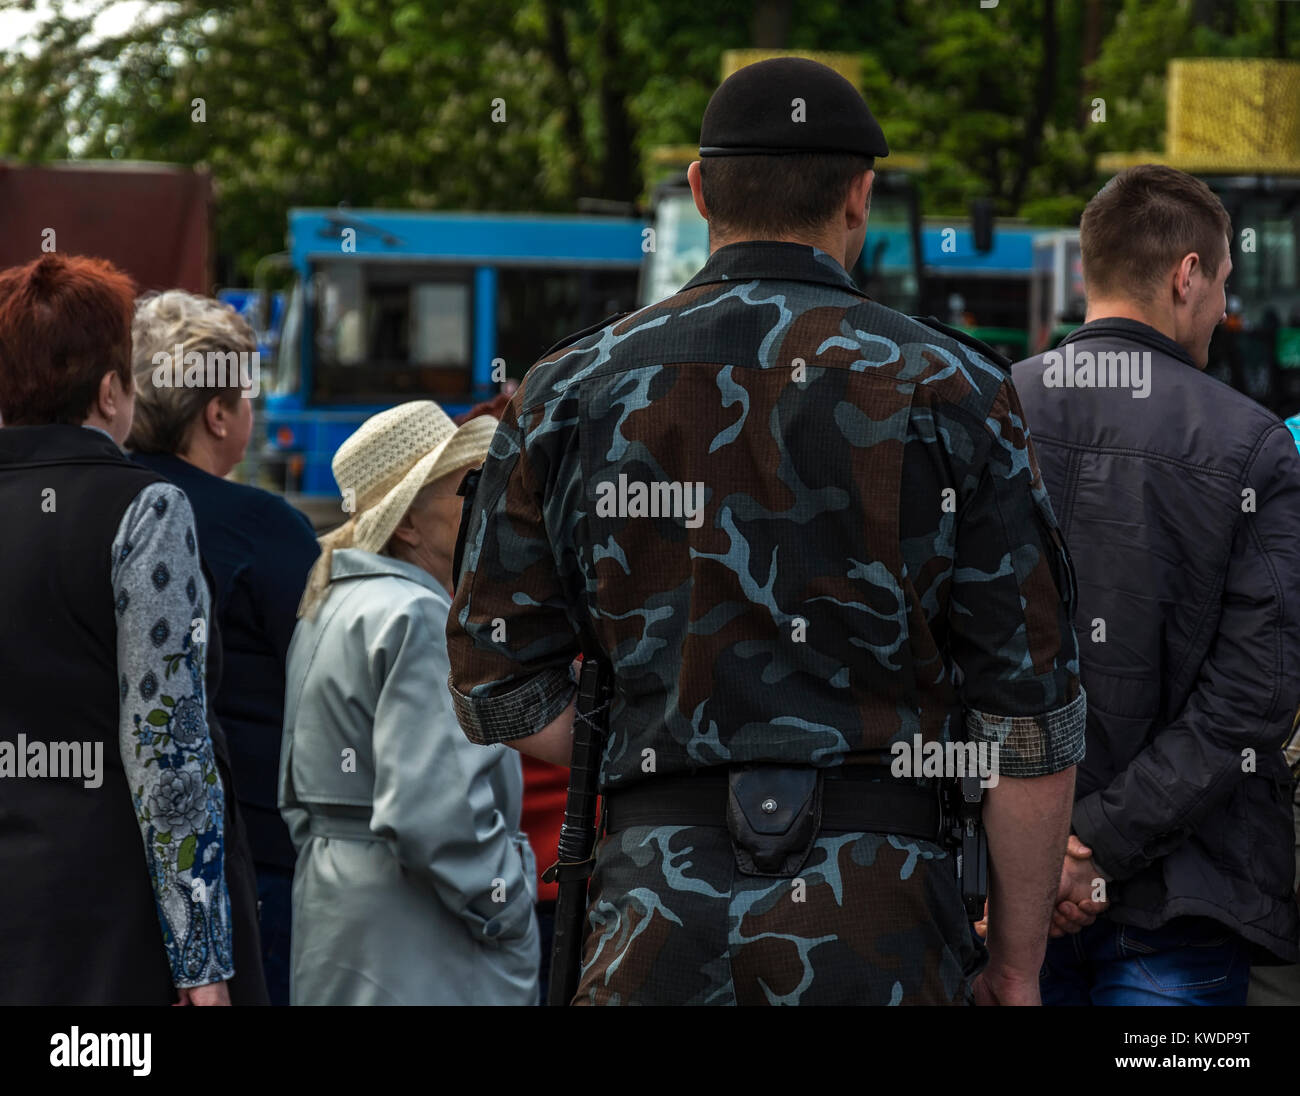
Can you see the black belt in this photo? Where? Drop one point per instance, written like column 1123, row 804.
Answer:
column 856, row 801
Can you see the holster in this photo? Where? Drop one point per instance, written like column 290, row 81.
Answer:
column 773, row 815
column 963, row 805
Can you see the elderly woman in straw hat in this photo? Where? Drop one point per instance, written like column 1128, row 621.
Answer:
column 413, row 883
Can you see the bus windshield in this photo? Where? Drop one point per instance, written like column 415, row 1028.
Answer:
column 887, row 269
column 681, row 247
column 288, row 352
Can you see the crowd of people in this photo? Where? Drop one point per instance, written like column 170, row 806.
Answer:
column 241, row 764
column 165, row 600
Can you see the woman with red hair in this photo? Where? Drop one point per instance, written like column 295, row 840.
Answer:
column 103, row 652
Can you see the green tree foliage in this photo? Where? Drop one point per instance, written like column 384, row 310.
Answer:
column 391, row 102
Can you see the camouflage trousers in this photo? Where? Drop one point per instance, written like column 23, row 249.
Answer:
column 870, row 919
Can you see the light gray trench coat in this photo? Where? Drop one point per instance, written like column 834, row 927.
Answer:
column 413, row 883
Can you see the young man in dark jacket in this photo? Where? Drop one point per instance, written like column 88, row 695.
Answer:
column 1180, row 500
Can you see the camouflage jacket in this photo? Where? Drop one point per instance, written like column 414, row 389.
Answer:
column 799, row 525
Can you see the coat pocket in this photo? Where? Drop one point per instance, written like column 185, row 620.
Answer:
column 1123, row 711
column 1269, row 851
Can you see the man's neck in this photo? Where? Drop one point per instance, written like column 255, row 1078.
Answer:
column 828, row 243
column 1128, row 310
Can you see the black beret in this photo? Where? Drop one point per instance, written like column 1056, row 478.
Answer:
column 753, row 114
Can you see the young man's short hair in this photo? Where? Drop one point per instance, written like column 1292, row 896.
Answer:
column 758, row 196
column 1139, row 226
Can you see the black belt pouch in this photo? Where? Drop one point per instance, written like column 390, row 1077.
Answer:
column 774, row 814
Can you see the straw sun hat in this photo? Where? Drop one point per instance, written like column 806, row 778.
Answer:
column 381, row 468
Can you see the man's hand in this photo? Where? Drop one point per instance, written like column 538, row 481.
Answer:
column 215, row 993
column 1075, row 905
column 1027, row 820
column 997, row 986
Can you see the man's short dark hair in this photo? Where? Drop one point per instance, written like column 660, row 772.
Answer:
column 758, row 196
column 1142, row 223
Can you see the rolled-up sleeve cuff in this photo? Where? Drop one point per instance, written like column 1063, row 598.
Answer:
column 1033, row 745
column 519, row 713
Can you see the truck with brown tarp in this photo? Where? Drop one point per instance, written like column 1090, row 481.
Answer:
column 151, row 220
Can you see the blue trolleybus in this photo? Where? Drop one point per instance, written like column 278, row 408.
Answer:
column 388, row 307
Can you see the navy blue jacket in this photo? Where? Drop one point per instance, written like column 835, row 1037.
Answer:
column 1182, row 513
column 259, row 550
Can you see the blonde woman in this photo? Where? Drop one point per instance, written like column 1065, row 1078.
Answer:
column 413, row 883
column 196, row 371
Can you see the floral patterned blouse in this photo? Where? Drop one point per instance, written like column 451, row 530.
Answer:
column 161, row 601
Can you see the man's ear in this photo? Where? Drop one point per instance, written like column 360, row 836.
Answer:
column 855, row 202
column 1191, row 264
column 697, row 188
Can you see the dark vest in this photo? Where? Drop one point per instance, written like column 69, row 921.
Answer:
column 78, row 922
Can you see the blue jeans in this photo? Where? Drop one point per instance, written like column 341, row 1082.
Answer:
column 274, row 919
column 1186, row 961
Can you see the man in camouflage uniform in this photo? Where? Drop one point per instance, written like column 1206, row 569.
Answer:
column 801, row 528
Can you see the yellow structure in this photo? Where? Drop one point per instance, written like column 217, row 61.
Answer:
column 848, row 65
column 1227, row 117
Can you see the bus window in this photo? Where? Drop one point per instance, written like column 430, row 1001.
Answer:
column 439, row 331
column 385, row 332
column 538, row 306
column 338, row 314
